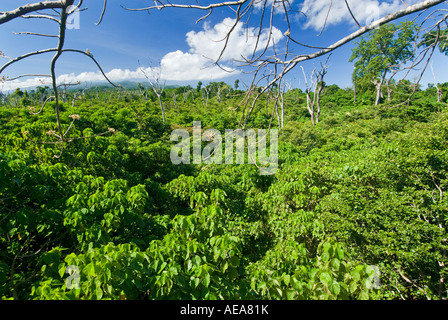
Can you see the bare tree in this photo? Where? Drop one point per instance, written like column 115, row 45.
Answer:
column 143, row 92
column 66, row 86
column 187, row 92
column 205, row 95
column 439, row 91
column 157, row 87
column 314, row 89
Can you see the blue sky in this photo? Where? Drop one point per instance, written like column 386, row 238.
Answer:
column 170, row 44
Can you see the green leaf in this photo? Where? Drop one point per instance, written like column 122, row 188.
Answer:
column 196, row 282
column 325, row 256
column 364, row 295
column 335, row 264
column 98, row 290
column 326, row 278
column 353, row 286
column 335, row 288
column 290, row 294
column 286, row 279
column 340, row 253
column 206, row 280
column 355, row 274
column 234, row 261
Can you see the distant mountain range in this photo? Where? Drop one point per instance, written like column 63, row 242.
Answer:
column 127, row 84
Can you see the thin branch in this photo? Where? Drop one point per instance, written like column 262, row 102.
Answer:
column 162, row 5
column 26, row 56
column 25, row 75
column 102, row 13
column 43, row 106
column 37, row 34
column 36, row 16
column 326, row 17
column 351, row 13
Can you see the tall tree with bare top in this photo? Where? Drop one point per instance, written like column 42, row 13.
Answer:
column 382, row 51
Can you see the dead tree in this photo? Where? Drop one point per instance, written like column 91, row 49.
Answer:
column 314, row 90
column 439, row 91
column 282, row 90
column 205, row 95
column 143, row 92
column 66, row 86
column 156, row 86
column 174, row 96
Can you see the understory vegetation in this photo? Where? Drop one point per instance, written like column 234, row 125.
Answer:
column 356, row 210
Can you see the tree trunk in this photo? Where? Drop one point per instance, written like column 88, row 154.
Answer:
column 310, row 106
column 159, row 96
column 283, row 109
column 319, row 92
column 389, row 91
column 378, row 85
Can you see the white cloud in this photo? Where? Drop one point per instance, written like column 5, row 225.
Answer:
column 242, row 41
column 32, row 82
column 182, row 66
column 113, row 75
column 197, row 64
column 206, row 47
column 364, row 11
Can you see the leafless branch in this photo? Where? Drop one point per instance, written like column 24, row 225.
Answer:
column 351, row 13
column 38, row 16
column 37, row 34
column 161, row 4
column 25, row 75
column 102, row 13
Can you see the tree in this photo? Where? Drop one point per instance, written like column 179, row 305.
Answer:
column 382, row 51
column 314, row 91
column 143, row 91
column 157, row 87
column 436, row 38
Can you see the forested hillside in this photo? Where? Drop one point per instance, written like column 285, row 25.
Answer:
column 356, row 210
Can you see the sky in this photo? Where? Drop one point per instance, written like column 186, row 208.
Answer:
column 172, row 46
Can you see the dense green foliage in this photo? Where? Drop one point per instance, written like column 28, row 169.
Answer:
column 382, row 51
column 357, row 199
